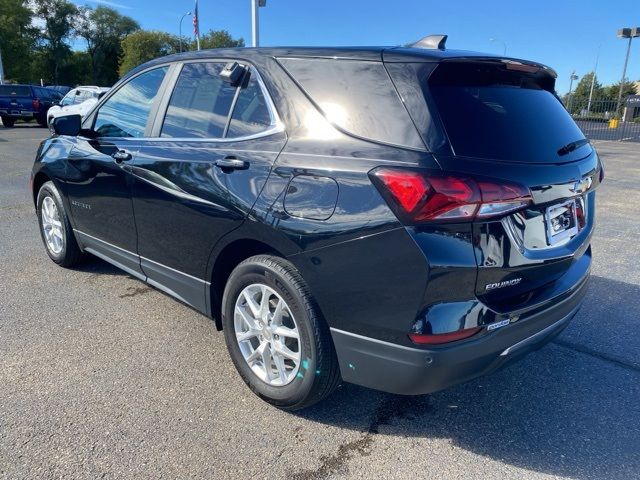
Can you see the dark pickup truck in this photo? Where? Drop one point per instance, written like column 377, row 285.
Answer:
column 25, row 102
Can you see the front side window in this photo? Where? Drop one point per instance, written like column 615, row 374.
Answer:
column 69, row 98
column 126, row 112
column 200, row 103
column 250, row 113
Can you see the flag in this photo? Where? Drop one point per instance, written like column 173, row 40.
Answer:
column 196, row 26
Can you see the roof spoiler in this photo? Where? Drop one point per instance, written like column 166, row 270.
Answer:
column 431, row 42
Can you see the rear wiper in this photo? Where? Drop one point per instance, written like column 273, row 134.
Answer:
column 570, row 147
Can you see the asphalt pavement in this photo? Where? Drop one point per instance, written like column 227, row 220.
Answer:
column 102, row 376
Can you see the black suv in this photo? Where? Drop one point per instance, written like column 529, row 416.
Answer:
column 400, row 218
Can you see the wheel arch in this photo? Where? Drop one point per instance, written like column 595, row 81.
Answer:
column 226, row 259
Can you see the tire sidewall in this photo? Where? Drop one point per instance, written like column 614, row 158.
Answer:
column 262, row 272
column 49, row 190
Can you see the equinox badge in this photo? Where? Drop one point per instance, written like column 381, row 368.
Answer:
column 506, row 283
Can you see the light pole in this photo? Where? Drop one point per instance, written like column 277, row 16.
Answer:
column 625, row 33
column 572, row 78
column 255, row 21
column 188, row 14
column 593, row 80
column 504, row 45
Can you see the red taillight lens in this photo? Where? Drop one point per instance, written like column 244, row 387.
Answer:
column 438, row 339
column 418, row 197
column 36, row 104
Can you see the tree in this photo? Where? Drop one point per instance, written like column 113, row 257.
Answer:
column 59, row 18
column 104, row 29
column 219, row 39
column 580, row 96
column 143, row 45
column 17, row 39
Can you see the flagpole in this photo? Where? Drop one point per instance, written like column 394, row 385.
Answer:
column 196, row 26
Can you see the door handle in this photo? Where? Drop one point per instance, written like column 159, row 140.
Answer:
column 121, row 156
column 228, row 164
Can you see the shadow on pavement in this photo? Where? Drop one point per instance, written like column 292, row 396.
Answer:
column 560, row 411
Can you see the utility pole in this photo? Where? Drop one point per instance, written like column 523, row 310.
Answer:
column 1, row 70
column 629, row 33
column 593, row 81
column 255, row 21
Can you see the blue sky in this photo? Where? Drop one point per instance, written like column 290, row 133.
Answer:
column 564, row 34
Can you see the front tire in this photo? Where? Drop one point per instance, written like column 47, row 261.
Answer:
column 55, row 229
column 275, row 334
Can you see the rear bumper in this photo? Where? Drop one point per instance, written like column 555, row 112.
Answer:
column 17, row 113
column 412, row 371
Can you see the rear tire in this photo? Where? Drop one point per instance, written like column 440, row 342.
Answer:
column 8, row 121
column 42, row 121
column 55, row 229
column 294, row 364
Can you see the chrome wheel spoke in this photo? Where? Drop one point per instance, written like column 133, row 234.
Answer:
column 286, row 332
column 267, row 334
column 52, row 226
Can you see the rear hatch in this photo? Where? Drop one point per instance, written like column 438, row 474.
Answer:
column 16, row 100
column 512, row 149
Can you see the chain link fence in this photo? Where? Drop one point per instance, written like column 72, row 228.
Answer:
column 598, row 120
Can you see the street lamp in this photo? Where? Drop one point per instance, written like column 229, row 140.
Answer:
column 255, row 23
column 504, row 45
column 188, row 14
column 625, row 33
column 572, row 78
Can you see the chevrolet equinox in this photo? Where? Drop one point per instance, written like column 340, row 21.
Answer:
column 403, row 218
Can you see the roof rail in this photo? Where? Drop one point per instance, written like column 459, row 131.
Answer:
column 431, row 42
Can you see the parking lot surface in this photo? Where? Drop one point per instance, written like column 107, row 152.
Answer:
column 101, row 376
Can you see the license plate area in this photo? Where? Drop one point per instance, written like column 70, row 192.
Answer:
column 561, row 221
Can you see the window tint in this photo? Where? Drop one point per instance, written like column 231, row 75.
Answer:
column 250, row 114
column 200, row 103
column 125, row 114
column 490, row 111
column 15, row 91
column 357, row 96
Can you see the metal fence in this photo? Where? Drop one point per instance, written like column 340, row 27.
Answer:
column 598, row 120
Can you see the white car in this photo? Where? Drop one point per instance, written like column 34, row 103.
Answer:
column 79, row 100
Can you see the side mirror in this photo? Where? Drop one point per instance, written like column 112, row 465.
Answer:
column 102, row 94
column 232, row 73
column 68, row 125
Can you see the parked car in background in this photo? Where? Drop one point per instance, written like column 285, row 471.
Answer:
column 78, row 100
column 25, row 102
column 61, row 89
column 404, row 219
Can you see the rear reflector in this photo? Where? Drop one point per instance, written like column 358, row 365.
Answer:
column 438, row 339
column 416, row 196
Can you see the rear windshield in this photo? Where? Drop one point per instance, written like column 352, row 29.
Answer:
column 15, row 90
column 503, row 112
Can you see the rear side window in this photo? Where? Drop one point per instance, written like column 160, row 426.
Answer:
column 15, row 91
column 503, row 112
column 357, row 96
column 126, row 112
column 200, row 103
column 250, row 113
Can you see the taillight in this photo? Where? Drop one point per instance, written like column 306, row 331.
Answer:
column 416, row 196
column 36, row 103
column 440, row 338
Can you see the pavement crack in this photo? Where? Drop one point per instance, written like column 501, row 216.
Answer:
column 594, row 353
column 393, row 407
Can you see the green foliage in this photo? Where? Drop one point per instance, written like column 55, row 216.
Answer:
column 17, row 39
column 143, row 45
column 103, row 29
column 59, row 17
column 218, row 39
